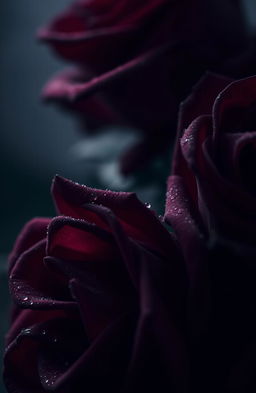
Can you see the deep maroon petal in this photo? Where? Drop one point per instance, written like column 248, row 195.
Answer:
column 68, row 88
column 190, row 148
column 198, row 103
column 63, row 87
column 100, row 306
column 105, row 357
column 236, row 161
column 27, row 318
column 31, row 340
column 33, row 286
column 16, row 377
column 71, row 40
column 191, row 234
column 34, row 231
column 201, row 165
column 180, row 215
column 233, row 207
column 64, row 343
column 201, row 99
column 230, row 110
column 158, row 334
column 89, row 32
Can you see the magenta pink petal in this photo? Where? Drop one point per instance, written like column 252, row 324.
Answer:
column 78, row 240
column 133, row 215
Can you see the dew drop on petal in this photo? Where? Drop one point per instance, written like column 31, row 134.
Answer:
column 26, row 331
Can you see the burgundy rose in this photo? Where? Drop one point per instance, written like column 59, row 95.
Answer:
column 211, row 205
column 100, row 299
column 136, row 60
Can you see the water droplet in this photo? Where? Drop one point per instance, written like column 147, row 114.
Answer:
column 187, row 139
column 7, row 348
column 44, row 332
column 25, row 298
column 148, row 205
column 26, row 331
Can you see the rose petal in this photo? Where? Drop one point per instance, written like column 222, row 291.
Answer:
column 234, row 215
column 71, row 90
column 231, row 105
column 191, row 234
column 133, row 215
column 157, row 334
column 100, row 308
column 79, row 46
column 75, row 239
column 31, row 340
column 27, row 318
column 106, row 357
column 34, row 231
column 78, row 32
column 198, row 103
column 99, row 110
column 33, row 286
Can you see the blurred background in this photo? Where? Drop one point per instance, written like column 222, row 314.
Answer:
column 38, row 141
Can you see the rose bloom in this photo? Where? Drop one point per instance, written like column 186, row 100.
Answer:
column 211, row 205
column 99, row 296
column 134, row 61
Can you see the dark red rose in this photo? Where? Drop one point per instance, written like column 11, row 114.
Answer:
column 211, row 205
column 135, row 61
column 100, row 299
